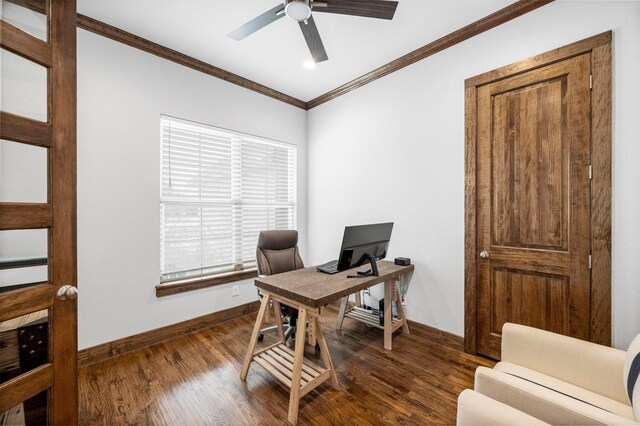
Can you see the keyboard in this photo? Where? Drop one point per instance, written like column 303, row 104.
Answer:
column 329, row 267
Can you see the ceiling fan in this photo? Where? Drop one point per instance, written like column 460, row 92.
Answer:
column 300, row 10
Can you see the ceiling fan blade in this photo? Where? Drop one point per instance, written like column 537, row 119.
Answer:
column 380, row 9
column 312, row 37
column 258, row 22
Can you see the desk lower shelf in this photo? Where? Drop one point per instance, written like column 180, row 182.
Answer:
column 278, row 360
column 371, row 318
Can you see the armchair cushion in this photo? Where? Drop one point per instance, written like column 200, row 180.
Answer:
column 631, row 375
column 540, row 402
column 565, row 388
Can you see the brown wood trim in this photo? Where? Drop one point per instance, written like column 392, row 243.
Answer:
column 16, row 390
column 175, row 287
column 436, row 335
column 63, row 196
column 25, row 216
column 600, row 48
column 601, row 195
column 470, row 243
column 21, row 129
column 25, row 300
column 506, row 14
column 148, row 46
column 22, row 263
column 39, row 6
column 24, row 44
column 544, row 59
column 151, row 337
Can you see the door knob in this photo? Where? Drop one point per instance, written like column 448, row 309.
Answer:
column 67, row 292
column 484, row 255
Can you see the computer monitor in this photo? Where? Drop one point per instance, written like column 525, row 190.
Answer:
column 364, row 244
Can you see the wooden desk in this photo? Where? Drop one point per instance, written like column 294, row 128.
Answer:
column 308, row 291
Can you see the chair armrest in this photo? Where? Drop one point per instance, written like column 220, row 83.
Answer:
column 475, row 408
column 588, row 365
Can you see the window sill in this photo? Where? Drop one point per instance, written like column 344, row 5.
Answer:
column 175, row 287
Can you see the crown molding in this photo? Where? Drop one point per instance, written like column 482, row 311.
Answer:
column 125, row 37
column 503, row 15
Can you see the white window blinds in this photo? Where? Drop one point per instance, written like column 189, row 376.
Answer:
column 219, row 190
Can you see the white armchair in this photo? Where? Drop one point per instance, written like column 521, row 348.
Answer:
column 559, row 379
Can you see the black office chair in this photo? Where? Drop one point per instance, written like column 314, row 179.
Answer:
column 277, row 252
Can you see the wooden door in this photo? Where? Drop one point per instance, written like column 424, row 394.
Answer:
column 538, row 196
column 38, row 320
column 534, row 202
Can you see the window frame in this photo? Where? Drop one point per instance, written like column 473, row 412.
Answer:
column 176, row 285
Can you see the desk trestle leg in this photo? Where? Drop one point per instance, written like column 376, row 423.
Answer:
column 294, row 397
column 299, row 375
column 313, row 333
column 343, row 310
column 388, row 291
column 278, row 319
column 403, row 317
column 324, row 350
column 254, row 336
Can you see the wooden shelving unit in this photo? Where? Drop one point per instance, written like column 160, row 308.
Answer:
column 278, row 359
column 371, row 318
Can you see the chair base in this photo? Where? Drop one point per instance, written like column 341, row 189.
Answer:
column 289, row 332
column 289, row 329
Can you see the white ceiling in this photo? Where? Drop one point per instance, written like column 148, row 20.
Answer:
column 273, row 56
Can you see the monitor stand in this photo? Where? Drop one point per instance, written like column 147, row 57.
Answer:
column 371, row 272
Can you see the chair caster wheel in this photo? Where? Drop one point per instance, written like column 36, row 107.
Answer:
column 261, row 338
column 317, row 347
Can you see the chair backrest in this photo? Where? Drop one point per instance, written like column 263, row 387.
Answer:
column 277, row 252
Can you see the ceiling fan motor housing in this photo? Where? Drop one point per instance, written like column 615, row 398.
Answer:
column 298, row 10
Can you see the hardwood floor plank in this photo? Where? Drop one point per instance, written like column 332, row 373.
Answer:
column 194, row 379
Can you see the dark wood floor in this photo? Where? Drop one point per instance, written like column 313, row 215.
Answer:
column 194, row 379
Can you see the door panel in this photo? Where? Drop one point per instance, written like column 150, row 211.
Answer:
column 24, row 87
column 38, row 330
column 529, row 174
column 23, row 257
column 28, row 16
column 533, row 202
column 23, row 173
column 535, row 300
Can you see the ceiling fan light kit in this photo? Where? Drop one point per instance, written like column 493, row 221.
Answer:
column 301, row 12
column 298, row 10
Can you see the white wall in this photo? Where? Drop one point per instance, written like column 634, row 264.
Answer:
column 394, row 150
column 121, row 94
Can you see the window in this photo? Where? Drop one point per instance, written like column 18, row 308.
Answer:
column 219, row 190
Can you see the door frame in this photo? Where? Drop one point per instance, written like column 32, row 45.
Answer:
column 599, row 46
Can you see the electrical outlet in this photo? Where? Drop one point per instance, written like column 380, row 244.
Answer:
column 235, row 290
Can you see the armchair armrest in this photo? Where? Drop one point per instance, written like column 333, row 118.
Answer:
column 477, row 409
column 588, row 365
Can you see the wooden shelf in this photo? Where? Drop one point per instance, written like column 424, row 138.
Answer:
column 278, row 360
column 371, row 318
